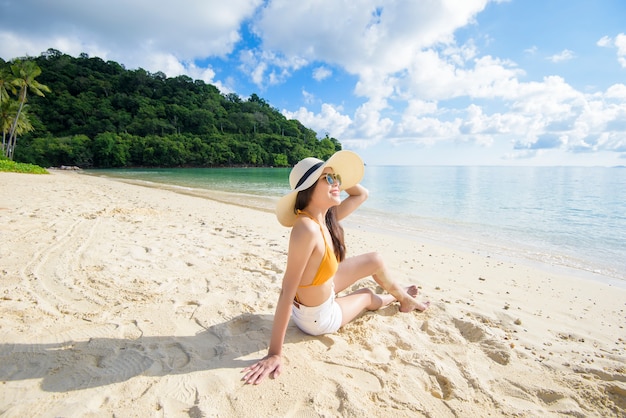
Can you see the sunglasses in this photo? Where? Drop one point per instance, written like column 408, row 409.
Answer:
column 332, row 179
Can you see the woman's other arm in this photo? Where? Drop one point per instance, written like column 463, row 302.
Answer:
column 301, row 246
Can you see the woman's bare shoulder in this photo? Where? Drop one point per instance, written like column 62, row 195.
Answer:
column 304, row 235
column 305, row 226
column 305, row 229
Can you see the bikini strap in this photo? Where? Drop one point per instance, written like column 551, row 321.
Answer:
column 301, row 212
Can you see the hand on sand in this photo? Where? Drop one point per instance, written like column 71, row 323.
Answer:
column 269, row 365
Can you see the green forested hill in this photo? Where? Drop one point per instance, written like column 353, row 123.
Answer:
column 100, row 114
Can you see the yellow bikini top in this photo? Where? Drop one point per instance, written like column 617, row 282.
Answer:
column 328, row 265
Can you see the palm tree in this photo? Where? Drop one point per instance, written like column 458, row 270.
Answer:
column 5, row 85
column 8, row 114
column 6, row 110
column 24, row 74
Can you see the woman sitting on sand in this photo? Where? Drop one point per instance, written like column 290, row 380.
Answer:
column 316, row 265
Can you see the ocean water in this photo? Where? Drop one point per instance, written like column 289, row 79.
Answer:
column 566, row 217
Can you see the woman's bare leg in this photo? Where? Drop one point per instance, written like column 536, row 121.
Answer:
column 353, row 304
column 371, row 264
column 365, row 299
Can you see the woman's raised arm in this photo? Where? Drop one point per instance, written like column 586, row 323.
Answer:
column 356, row 196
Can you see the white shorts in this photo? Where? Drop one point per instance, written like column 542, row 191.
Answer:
column 317, row 320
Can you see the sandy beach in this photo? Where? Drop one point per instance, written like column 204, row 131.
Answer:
column 123, row 300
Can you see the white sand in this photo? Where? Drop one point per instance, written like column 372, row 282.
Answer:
column 117, row 299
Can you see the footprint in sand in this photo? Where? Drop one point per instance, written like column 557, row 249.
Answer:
column 95, row 366
column 489, row 344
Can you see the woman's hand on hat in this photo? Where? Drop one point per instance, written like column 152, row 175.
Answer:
column 269, row 365
column 358, row 190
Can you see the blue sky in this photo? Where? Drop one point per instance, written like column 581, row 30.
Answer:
column 443, row 82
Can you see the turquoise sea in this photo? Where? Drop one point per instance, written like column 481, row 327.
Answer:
column 570, row 218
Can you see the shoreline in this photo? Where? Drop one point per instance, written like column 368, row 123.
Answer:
column 511, row 254
column 452, row 239
column 126, row 300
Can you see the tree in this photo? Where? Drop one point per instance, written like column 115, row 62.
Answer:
column 24, row 74
column 5, row 85
column 9, row 118
column 280, row 160
column 110, row 150
column 6, row 107
column 101, row 115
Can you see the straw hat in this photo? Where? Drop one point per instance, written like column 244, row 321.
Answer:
column 304, row 175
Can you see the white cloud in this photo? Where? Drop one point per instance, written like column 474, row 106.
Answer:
column 521, row 154
column 139, row 34
column 605, row 41
column 372, row 36
column 330, row 120
column 564, row 55
column 167, row 63
column 433, row 77
column 477, row 122
column 616, row 91
column 13, row 45
column 265, row 68
column 540, row 115
column 426, row 129
column 321, row 73
column 406, row 52
column 619, row 42
column 375, row 85
column 532, row 50
column 418, row 107
column 308, row 97
column 369, row 122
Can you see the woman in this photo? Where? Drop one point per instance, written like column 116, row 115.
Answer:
column 316, row 265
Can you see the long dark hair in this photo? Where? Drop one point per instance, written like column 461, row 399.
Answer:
column 332, row 223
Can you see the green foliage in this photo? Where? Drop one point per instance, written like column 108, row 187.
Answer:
column 98, row 114
column 281, row 160
column 7, row 165
column 14, row 119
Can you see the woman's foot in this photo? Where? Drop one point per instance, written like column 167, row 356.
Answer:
column 412, row 290
column 411, row 304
